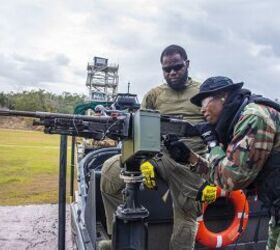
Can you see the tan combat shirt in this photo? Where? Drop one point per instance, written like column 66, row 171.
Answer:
column 177, row 103
column 171, row 102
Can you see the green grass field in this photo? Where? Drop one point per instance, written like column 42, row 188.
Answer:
column 29, row 166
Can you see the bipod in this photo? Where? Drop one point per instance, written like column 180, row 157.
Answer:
column 130, row 232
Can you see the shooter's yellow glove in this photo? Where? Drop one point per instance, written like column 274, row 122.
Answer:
column 207, row 193
column 148, row 172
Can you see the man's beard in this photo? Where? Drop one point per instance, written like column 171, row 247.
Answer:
column 179, row 84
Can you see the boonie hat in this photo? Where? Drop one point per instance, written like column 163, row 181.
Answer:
column 214, row 85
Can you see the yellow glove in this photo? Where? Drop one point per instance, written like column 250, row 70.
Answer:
column 147, row 170
column 207, row 193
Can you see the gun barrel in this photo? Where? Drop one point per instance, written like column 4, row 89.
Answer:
column 17, row 113
column 39, row 114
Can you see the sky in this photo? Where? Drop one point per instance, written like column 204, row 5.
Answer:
column 48, row 44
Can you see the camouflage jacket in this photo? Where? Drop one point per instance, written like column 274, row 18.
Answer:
column 255, row 136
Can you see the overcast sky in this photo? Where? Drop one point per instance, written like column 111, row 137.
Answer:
column 47, row 43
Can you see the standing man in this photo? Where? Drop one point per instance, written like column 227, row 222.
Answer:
column 171, row 98
column 243, row 137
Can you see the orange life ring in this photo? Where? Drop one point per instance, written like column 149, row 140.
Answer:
column 231, row 234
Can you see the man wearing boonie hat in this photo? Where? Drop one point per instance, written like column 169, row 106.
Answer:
column 243, row 137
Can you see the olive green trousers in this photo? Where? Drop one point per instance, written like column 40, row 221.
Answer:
column 273, row 242
column 183, row 186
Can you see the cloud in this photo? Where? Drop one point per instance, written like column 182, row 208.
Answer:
column 25, row 70
column 48, row 43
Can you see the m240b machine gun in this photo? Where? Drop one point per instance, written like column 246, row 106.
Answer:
column 115, row 125
column 140, row 133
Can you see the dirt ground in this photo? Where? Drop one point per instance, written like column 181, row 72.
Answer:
column 25, row 123
column 32, row 227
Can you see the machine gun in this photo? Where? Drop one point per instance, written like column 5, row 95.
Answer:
column 140, row 133
column 115, row 125
column 77, row 125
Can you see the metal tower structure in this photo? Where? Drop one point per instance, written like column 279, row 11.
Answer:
column 102, row 79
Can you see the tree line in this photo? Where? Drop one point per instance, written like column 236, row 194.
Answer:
column 41, row 100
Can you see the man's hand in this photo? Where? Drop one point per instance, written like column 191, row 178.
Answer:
column 148, row 172
column 207, row 193
column 179, row 152
column 169, row 139
column 208, row 134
